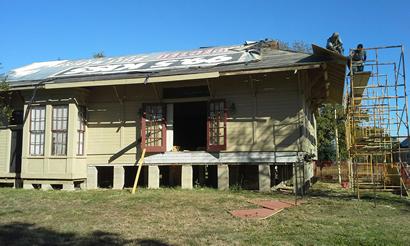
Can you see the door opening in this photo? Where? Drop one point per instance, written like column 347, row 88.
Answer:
column 190, row 126
column 15, row 153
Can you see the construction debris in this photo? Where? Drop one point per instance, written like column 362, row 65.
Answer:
column 269, row 208
column 258, row 213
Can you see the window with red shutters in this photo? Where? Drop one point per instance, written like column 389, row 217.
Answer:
column 153, row 127
column 216, row 126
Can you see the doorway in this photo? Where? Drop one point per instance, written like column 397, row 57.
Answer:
column 15, row 150
column 190, row 121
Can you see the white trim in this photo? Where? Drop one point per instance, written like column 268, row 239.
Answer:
column 170, row 126
column 202, row 157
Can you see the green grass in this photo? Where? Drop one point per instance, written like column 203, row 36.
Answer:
column 330, row 216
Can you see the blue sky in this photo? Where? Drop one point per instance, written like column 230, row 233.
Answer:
column 43, row 30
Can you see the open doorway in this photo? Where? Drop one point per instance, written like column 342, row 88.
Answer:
column 190, row 126
column 16, row 148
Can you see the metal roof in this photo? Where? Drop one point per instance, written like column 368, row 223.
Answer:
column 172, row 66
column 143, row 63
column 213, row 62
column 216, row 59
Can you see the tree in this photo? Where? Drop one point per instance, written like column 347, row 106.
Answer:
column 5, row 99
column 298, row 46
column 326, row 132
column 99, row 55
column 301, row 46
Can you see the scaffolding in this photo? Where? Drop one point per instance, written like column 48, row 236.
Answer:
column 377, row 126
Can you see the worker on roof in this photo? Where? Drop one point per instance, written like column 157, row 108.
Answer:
column 357, row 56
column 334, row 43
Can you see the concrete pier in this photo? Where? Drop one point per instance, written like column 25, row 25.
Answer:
column 186, row 177
column 264, row 178
column 92, row 178
column 119, row 176
column 46, row 187
column 153, row 177
column 68, row 186
column 223, row 177
column 28, row 186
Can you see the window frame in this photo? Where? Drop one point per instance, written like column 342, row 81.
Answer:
column 216, row 147
column 154, row 149
column 37, row 132
column 81, row 128
column 59, row 131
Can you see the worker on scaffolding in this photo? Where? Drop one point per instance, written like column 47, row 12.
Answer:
column 357, row 57
column 334, row 43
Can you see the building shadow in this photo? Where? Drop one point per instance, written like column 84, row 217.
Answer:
column 17, row 233
column 365, row 196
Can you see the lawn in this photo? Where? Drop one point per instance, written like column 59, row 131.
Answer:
column 330, row 216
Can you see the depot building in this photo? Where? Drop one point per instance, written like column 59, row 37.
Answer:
column 222, row 116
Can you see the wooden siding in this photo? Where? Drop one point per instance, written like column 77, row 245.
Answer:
column 268, row 116
column 267, row 113
column 114, row 123
column 5, row 145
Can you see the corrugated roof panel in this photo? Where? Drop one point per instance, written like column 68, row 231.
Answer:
column 146, row 63
column 170, row 64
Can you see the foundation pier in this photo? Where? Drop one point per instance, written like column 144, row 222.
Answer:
column 83, row 185
column 119, row 176
column 186, row 177
column 92, row 178
column 153, row 177
column 46, row 187
column 223, row 177
column 27, row 186
column 68, row 186
column 264, row 177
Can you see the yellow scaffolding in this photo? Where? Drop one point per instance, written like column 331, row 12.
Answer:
column 377, row 121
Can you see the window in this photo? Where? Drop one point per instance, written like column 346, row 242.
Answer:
column 59, row 130
column 153, row 128
column 80, row 131
column 216, row 127
column 37, row 129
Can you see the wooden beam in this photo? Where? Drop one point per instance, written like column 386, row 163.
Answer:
column 116, row 95
column 209, row 88
column 271, row 70
column 131, row 81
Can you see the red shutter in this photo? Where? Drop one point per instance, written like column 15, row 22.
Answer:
column 216, row 126
column 153, row 127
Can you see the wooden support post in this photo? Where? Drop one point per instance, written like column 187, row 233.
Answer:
column 337, row 149
column 134, row 188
